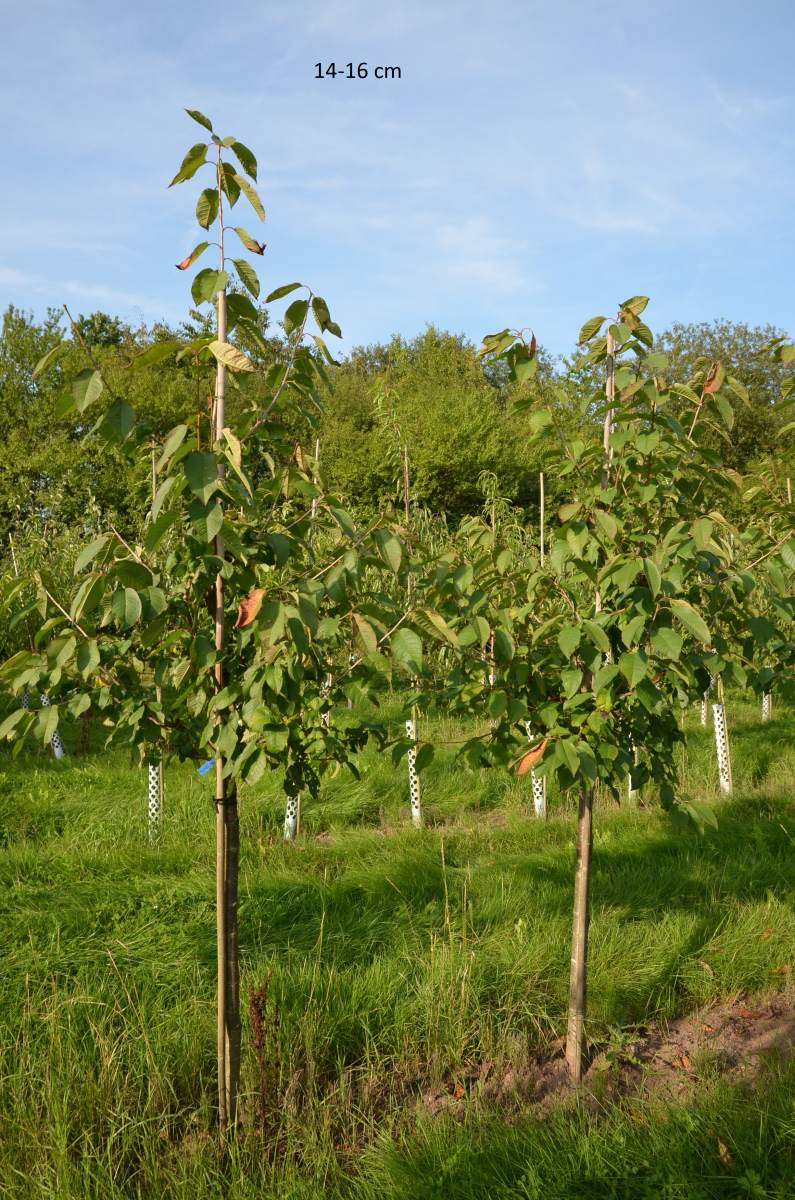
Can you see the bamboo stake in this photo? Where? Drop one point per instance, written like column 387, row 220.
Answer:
column 542, row 519
column 575, row 1034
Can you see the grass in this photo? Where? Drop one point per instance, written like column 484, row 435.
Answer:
column 392, row 966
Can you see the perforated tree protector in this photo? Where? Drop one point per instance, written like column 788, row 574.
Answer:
column 291, row 818
column 766, row 706
column 56, row 743
column 414, row 782
column 722, row 747
column 538, row 786
column 154, row 806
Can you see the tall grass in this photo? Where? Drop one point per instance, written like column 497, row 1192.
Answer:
column 388, row 966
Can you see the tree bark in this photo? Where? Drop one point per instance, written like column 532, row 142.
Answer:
column 232, row 1026
column 575, row 1037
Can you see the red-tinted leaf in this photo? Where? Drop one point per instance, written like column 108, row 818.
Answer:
column 529, row 760
column 531, row 349
column 711, row 382
column 249, row 608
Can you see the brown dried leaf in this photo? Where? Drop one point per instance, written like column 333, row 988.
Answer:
column 531, row 349
column 249, row 607
column 783, row 970
column 747, row 1013
column 529, row 760
column 725, row 1154
column 766, row 933
column 711, row 382
column 183, row 266
column 459, row 1092
column 684, row 1061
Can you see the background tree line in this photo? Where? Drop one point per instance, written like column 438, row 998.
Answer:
column 431, row 393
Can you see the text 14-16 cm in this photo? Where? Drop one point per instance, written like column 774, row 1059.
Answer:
column 349, row 71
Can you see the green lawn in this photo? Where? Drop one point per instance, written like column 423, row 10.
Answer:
column 398, row 966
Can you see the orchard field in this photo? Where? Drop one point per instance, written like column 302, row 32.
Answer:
column 404, row 989
column 439, row 645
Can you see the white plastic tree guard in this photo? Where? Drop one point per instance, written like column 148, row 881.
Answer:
column 56, row 743
column 766, row 706
column 291, row 817
column 537, row 785
column 155, row 805
column 631, row 792
column 414, row 779
column 722, row 748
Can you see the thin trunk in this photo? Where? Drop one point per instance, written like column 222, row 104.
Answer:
column 542, row 532
column 575, row 1036
column 226, row 829
column 233, row 1026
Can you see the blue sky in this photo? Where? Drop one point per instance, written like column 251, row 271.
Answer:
column 536, row 163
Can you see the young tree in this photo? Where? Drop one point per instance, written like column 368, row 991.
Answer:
column 226, row 630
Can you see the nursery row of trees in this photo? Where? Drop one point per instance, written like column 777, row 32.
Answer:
column 250, row 602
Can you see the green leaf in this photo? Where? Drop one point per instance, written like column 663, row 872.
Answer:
column 504, row 648
column 320, row 311
column 692, row 620
column 567, row 511
column 154, row 354
column 366, row 633
column 207, row 284
column 653, row 576
column 11, row 722
column 207, row 207
column 590, row 329
column 201, row 472
column 206, row 521
column 247, row 275
column 406, row 647
column 171, row 445
column 48, row 722
column 725, row 409
column 86, row 388
column 666, row 643
column 159, row 528
column 389, row 548
column 571, row 679
column 246, row 159
column 597, row 635
column 231, row 357
column 200, row 117
column 635, row 304
column 762, row 630
column 284, row 290
column 251, row 195
column 47, row 358
column 90, row 553
column 633, row 666
column 126, row 606
column 569, row 639
column 239, row 308
column 119, row 420
column 295, row 315
column 195, row 158
column 606, row 523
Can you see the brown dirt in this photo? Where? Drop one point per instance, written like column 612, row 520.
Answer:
column 731, row 1039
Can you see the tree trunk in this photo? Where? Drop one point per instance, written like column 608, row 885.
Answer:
column 232, row 1028
column 575, row 1037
